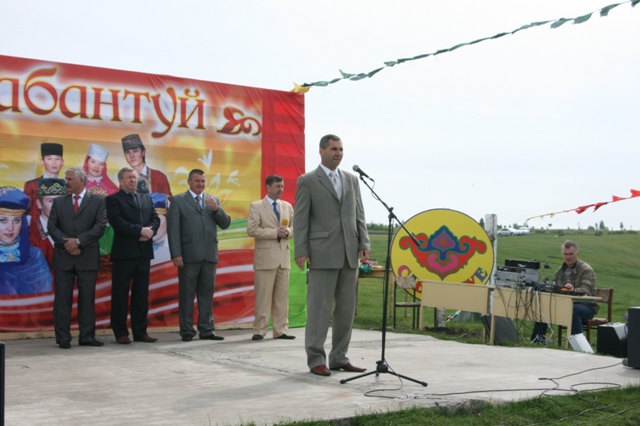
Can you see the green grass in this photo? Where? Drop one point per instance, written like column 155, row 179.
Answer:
column 602, row 408
column 613, row 256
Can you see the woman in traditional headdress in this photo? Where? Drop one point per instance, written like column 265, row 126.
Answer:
column 23, row 268
column 95, row 166
column 98, row 183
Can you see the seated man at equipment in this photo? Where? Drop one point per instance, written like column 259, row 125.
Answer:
column 573, row 275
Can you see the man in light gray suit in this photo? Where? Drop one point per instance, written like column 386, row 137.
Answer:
column 330, row 234
column 192, row 222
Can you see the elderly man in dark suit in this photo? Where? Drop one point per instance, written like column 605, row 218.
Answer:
column 192, row 223
column 76, row 223
column 134, row 221
column 330, row 234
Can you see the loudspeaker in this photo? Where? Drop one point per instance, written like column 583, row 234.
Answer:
column 505, row 330
column 2, row 383
column 633, row 339
column 579, row 343
column 612, row 340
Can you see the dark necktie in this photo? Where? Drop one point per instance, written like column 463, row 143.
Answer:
column 198, row 203
column 76, row 204
column 135, row 199
column 275, row 210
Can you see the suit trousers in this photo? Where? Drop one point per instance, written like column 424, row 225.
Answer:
column 63, row 303
column 196, row 279
column 272, row 297
column 130, row 274
column 325, row 286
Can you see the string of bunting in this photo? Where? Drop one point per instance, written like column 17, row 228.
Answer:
column 555, row 23
column 581, row 209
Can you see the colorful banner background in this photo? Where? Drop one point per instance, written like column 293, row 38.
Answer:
column 237, row 135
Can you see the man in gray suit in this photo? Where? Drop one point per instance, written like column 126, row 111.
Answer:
column 192, row 222
column 330, row 234
column 76, row 223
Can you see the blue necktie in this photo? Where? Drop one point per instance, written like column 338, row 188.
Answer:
column 198, row 203
column 275, row 210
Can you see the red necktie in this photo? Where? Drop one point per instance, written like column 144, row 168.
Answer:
column 75, row 204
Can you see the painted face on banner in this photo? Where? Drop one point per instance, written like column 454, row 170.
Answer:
column 45, row 204
column 135, row 157
column 52, row 164
column 95, row 167
column 9, row 228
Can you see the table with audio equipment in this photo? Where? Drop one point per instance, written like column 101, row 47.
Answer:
column 522, row 304
column 525, row 304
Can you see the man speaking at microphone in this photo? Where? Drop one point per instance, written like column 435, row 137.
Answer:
column 269, row 223
column 330, row 233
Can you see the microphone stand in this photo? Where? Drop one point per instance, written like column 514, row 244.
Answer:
column 381, row 365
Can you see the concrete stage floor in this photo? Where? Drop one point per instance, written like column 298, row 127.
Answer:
column 238, row 381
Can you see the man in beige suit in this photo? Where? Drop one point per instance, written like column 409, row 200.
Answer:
column 330, row 233
column 270, row 224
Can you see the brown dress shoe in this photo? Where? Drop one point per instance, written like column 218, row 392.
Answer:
column 123, row 340
column 350, row 368
column 146, row 338
column 321, row 370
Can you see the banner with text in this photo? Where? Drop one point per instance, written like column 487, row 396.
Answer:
column 54, row 116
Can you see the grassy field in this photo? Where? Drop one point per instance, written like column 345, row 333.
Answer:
column 614, row 257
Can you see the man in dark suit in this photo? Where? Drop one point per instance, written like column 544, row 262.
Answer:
column 192, row 223
column 76, row 223
column 134, row 221
column 330, row 233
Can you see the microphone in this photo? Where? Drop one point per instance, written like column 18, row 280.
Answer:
column 285, row 222
column 357, row 169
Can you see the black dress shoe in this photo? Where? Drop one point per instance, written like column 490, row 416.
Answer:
column 93, row 342
column 187, row 338
column 257, row 337
column 286, row 336
column 65, row 345
column 212, row 336
column 146, row 338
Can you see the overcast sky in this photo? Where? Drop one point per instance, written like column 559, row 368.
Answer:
column 538, row 122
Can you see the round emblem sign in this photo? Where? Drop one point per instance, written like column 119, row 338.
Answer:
column 449, row 246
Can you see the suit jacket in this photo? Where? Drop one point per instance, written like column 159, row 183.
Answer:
column 327, row 229
column 127, row 221
column 194, row 234
column 269, row 253
column 88, row 226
